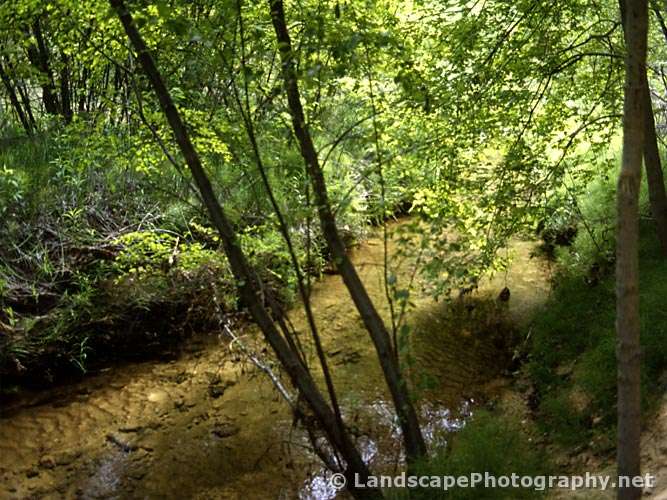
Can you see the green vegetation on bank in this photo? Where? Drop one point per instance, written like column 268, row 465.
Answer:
column 572, row 358
column 102, row 258
column 489, row 443
column 417, row 106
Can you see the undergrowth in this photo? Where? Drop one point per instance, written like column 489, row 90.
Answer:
column 572, row 357
column 106, row 250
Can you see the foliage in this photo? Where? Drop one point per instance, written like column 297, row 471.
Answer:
column 485, row 120
column 513, row 98
column 488, row 443
column 593, row 247
column 474, row 114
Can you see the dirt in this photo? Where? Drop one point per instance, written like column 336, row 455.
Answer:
column 511, row 400
column 654, row 451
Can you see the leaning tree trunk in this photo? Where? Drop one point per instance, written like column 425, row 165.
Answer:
column 652, row 163
column 654, row 177
column 245, row 276
column 656, row 184
column 415, row 447
column 627, row 243
column 23, row 94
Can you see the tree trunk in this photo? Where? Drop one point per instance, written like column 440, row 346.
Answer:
column 25, row 99
column 414, row 442
column 627, row 243
column 65, row 90
column 652, row 163
column 39, row 57
column 654, row 177
column 15, row 101
column 23, row 94
column 247, row 281
column 82, row 90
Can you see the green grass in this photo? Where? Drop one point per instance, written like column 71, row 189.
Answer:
column 488, row 443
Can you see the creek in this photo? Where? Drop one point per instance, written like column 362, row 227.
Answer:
column 207, row 424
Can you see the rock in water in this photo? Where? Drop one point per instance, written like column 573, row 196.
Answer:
column 225, row 429
column 158, row 396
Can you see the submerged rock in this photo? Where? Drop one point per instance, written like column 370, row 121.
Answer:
column 225, row 429
column 158, row 396
column 218, row 387
column 124, row 444
column 47, row 462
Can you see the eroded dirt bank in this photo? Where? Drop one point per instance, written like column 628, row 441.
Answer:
column 208, row 425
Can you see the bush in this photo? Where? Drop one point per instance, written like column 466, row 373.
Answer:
column 594, row 244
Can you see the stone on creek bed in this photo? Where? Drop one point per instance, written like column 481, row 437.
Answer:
column 225, row 429
column 217, row 386
column 158, row 396
column 123, row 442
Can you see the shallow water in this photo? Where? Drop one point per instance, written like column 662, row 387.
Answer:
column 209, row 425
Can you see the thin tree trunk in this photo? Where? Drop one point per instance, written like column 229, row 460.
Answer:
column 25, row 99
column 23, row 94
column 82, row 90
column 627, row 243
column 65, row 90
column 282, row 224
column 247, row 282
column 39, row 57
column 661, row 19
column 414, row 442
column 15, row 101
column 654, row 176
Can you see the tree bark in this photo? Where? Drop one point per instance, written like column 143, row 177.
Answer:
column 414, row 442
column 25, row 99
column 652, row 162
column 654, row 175
column 627, row 246
column 82, row 90
column 65, row 90
column 20, row 87
column 247, row 281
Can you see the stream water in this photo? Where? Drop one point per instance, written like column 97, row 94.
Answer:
column 207, row 424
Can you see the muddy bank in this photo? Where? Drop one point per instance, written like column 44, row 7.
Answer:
column 208, row 425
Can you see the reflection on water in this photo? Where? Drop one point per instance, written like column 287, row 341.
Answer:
column 437, row 423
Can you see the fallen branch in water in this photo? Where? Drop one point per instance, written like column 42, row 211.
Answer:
column 261, row 365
